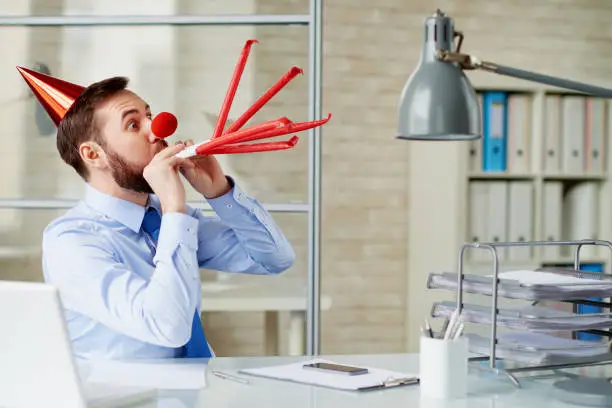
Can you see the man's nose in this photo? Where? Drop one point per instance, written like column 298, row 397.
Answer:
column 149, row 134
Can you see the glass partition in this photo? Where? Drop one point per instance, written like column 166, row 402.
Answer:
column 184, row 69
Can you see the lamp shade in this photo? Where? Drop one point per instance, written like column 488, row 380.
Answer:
column 438, row 102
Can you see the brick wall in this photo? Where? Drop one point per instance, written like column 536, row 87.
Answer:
column 369, row 53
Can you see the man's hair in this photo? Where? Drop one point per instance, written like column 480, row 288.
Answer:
column 79, row 124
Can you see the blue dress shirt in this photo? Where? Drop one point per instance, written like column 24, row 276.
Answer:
column 123, row 297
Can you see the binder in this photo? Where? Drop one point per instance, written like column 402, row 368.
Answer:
column 375, row 379
column 475, row 165
column 519, row 132
column 477, row 231
column 589, row 309
column 497, row 215
column 475, row 161
column 580, row 214
column 520, row 219
column 552, row 135
column 494, row 140
column 552, row 218
column 573, row 134
column 595, row 128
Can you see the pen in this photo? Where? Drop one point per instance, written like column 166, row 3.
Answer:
column 458, row 332
column 426, row 331
column 428, row 328
column 451, row 325
column 230, row 377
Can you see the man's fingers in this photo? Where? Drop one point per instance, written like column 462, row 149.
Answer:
column 180, row 162
column 170, row 150
column 187, row 142
column 186, row 163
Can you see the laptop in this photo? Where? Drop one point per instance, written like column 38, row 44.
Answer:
column 37, row 366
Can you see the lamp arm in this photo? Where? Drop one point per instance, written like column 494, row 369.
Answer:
column 469, row 62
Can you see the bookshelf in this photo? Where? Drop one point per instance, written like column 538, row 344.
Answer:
column 454, row 192
column 552, row 183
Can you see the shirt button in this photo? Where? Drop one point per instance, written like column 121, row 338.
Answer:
column 229, row 206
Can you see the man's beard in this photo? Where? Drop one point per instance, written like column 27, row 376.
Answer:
column 127, row 176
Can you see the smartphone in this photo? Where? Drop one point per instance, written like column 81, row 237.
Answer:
column 336, row 368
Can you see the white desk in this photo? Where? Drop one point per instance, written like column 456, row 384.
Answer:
column 219, row 393
column 269, row 294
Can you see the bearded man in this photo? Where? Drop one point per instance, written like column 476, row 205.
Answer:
column 126, row 258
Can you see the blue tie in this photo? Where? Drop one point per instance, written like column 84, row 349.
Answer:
column 197, row 346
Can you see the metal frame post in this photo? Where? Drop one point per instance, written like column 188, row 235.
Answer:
column 315, row 31
column 153, row 20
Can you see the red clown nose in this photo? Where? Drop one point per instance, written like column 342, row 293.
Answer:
column 164, row 125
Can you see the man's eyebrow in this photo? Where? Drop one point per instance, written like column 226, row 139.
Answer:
column 128, row 112
column 134, row 110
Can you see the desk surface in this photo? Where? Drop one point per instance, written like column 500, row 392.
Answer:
column 484, row 389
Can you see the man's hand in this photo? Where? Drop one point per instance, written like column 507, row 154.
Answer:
column 206, row 175
column 162, row 175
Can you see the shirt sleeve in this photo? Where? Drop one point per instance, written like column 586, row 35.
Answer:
column 242, row 237
column 93, row 281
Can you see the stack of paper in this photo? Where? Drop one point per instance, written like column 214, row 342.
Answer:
column 526, row 317
column 532, row 285
column 552, row 277
column 295, row 372
column 539, row 348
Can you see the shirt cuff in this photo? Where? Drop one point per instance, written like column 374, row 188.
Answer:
column 177, row 229
column 231, row 203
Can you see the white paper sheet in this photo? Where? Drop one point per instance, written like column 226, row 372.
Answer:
column 296, row 373
column 558, row 345
column 526, row 317
column 527, row 277
column 146, row 374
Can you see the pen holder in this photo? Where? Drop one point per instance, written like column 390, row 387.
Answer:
column 443, row 367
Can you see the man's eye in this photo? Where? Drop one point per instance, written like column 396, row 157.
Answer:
column 131, row 125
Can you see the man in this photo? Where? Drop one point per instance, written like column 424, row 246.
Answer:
column 126, row 259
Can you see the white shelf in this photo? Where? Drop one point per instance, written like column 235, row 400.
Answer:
column 574, row 177
column 501, row 176
column 441, row 175
column 535, row 176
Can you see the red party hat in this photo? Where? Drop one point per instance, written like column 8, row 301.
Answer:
column 54, row 94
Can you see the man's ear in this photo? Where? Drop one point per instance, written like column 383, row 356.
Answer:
column 92, row 154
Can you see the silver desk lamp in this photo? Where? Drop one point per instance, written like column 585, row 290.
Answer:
column 439, row 103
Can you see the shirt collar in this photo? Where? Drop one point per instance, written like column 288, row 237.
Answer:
column 126, row 212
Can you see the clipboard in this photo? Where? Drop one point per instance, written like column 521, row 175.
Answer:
column 375, row 379
column 390, row 383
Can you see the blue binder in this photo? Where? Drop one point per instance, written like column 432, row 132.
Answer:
column 495, row 131
column 586, row 309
